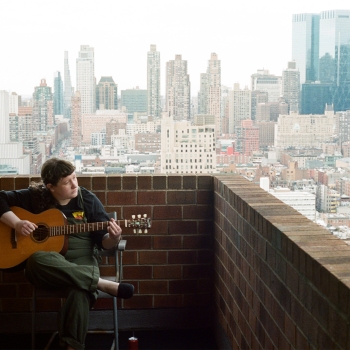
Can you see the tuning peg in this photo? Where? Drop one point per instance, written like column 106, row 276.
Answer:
column 145, row 230
column 145, row 215
column 133, row 216
column 138, row 216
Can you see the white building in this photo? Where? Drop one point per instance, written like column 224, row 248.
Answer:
column 303, row 202
column 153, row 82
column 186, row 148
column 240, row 106
column 11, row 153
column 296, row 130
column 86, row 82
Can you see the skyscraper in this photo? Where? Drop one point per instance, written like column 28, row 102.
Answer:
column 42, row 94
column 291, row 86
column 86, row 82
column 321, row 49
column 334, row 54
column 178, row 88
column 209, row 97
column 58, row 94
column 68, row 91
column 305, row 45
column 239, row 107
column 107, row 94
column 153, row 82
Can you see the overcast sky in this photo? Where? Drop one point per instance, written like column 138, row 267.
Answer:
column 247, row 35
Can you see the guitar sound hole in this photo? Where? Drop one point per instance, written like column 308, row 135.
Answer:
column 41, row 233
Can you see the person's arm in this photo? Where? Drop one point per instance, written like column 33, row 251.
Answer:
column 95, row 212
column 23, row 227
column 21, row 198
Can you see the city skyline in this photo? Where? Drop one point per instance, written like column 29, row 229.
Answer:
column 243, row 36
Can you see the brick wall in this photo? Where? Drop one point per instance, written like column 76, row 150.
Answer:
column 218, row 243
column 282, row 282
column 171, row 266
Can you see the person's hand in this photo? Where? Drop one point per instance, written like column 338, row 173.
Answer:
column 25, row 227
column 114, row 230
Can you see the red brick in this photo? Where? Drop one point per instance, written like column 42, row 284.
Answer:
column 153, row 287
column 85, row 181
column 183, row 287
column 137, row 272
column 167, row 212
column 197, row 241
column 183, row 227
column 99, row 183
column 139, row 302
column 138, row 242
column 152, row 257
column 189, row 182
column 121, row 198
column 21, row 182
column 173, row 272
column 144, row 182
column 161, row 301
column 167, row 242
column 114, row 183
column 7, row 183
column 129, row 182
column 151, row 197
column 205, row 197
column 159, row 182
column 181, row 197
column 198, row 212
column 182, row 257
column 174, row 182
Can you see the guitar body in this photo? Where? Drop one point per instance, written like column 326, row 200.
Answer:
column 16, row 248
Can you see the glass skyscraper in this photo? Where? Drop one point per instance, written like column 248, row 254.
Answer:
column 305, row 45
column 321, row 49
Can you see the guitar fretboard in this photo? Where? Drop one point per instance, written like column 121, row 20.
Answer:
column 70, row 229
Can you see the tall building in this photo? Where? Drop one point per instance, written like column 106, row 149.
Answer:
column 106, row 94
column 11, row 153
column 68, row 90
column 209, row 97
column 334, row 55
column 178, row 89
column 314, row 97
column 264, row 81
column 76, row 120
column 86, row 82
column 153, row 82
column 41, row 96
column 321, row 49
column 239, row 107
column 58, row 94
column 291, row 86
column 305, row 45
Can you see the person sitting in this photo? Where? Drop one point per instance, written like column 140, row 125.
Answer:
column 77, row 270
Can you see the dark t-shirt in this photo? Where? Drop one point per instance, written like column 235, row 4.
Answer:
column 91, row 209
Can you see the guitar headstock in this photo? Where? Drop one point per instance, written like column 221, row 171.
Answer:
column 140, row 223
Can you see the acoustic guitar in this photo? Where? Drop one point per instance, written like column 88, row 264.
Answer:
column 51, row 234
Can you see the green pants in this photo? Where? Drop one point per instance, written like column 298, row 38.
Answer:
column 79, row 276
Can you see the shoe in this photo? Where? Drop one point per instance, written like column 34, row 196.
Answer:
column 125, row 291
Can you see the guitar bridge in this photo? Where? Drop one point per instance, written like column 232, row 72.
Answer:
column 13, row 239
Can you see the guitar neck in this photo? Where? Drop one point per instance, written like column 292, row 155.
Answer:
column 85, row 227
